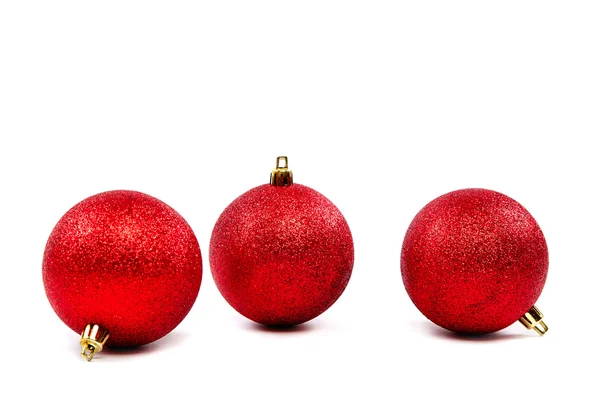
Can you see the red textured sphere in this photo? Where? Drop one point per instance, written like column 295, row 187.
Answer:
column 474, row 261
column 126, row 261
column 281, row 255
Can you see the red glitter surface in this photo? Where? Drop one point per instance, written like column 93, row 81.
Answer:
column 126, row 261
column 474, row 261
column 281, row 255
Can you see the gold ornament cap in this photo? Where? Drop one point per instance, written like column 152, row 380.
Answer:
column 281, row 175
column 92, row 340
column 533, row 320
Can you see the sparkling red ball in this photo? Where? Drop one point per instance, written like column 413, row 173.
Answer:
column 474, row 261
column 281, row 255
column 126, row 261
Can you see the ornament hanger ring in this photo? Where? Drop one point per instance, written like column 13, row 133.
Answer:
column 281, row 175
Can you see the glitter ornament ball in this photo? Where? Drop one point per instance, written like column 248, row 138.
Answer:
column 122, row 267
column 475, row 261
column 281, row 254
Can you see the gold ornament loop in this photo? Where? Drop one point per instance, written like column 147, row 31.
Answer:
column 92, row 340
column 533, row 320
column 281, row 175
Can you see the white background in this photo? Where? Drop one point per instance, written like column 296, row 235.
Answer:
column 380, row 105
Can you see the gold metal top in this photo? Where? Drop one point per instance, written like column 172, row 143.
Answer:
column 92, row 340
column 281, row 175
column 533, row 320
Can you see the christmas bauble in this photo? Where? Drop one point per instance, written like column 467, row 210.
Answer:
column 475, row 261
column 124, row 264
column 282, row 253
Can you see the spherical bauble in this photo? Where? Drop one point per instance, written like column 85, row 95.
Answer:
column 281, row 255
column 474, row 261
column 125, row 261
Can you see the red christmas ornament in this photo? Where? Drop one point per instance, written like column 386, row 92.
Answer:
column 281, row 254
column 122, row 267
column 475, row 261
